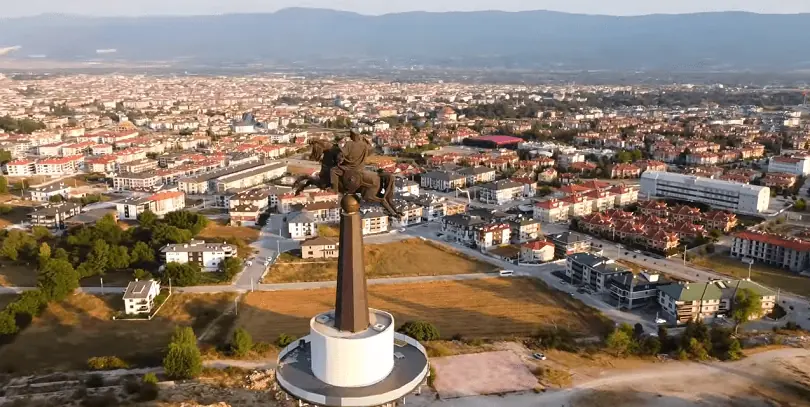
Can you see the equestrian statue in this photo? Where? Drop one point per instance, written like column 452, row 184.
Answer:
column 342, row 171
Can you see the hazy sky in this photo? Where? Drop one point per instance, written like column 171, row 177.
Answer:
column 13, row 8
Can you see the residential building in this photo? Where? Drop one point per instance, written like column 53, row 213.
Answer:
column 139, row 296
column 462, row 228
column 319, row 248
column 624, row 171
column 232, row 177
column 411, row 213
column 323, row 212
column 443, row 180
column 568, row 243
column 799, row 166
column 537, row 251
column 478, row 175
column 43, row 193
column 632, row 291
column 53, row 215
column 374, row 222
column 726, row 195
column 493, row 234
column 524, row 230
column 406, row 187
column 301, row 225
column 59, row 166
column 207, row 255
column 21, row 168
column 683, row 302
column 144, row 181
column 776, row 250
column 592, row 271
column 160, row 204
column 500, row 192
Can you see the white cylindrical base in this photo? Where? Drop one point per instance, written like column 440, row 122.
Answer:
column 352, row 360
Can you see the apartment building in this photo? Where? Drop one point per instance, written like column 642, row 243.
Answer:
column 289, row 202
column 799, row 166
column 160, row 204
column 53, row 215
column 301, row 225
column 443, row 180
column 208, row 256
column 683, row 302
column 731, row 196
column 21, row 168
column 780, row 251
column 59, row 166
column 138, row 166
column 592, row 271
column 411, row 213
column 524, row 230
column 144, row 181
column 493, row 234
column 478, row 175
column 500, row 192
column 102, row 164
column 568, row 243
column 43, row 193
column 374, row 222
column 319, row 248
column 139, row 297
column 232, row 177
column 406, row 187
column 324, row 212
column 634, row 291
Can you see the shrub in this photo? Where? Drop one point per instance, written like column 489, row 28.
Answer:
column 242, row 342
column 148, row 390
column 150, row 378
column 261, row 347
column 284, row 340
column 420, row 330
column 106, row 363
column 431, row 377
column 183, row 361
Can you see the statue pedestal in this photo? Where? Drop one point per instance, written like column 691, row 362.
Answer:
column 351, row 304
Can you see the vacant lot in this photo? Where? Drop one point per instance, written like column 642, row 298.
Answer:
column 412, row 257
column 770, row 276
column 218, row 230
column 481, row 373
column 488, row 308
column 16, row 275
column 69, row 333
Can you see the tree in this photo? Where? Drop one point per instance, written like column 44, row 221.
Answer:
column 41, row 233
column 697, row 350
column 734, row 351
column 8, row 324
column 44, row 253
column 231, row 266
column 666, row 341
column 651, row 345
column 283, row 340
column 715, row 234
column 182, row 274
column 618, row 342
column 56, row 198
column 141, row 254
column 800, row 205
column 638, row 330
column 242, row 343
column 97, row 261
column 60, row 254
column 183, row 361
column 3, row 184
column 747, row 304
column 57, row 279
column 147, row 218
column 141, row 274
column 16, row 242
column 184, row 335
column 420, row 330
column 5, row 156
column 186, row 220
column 119, row 258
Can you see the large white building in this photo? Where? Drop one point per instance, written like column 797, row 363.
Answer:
column 727, row 195
column 799, row 166
column 160, row 204
column 207, row 255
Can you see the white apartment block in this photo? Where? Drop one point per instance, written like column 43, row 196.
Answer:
column 799, row 166
column 21, row 168
column 500, row 192
column 160, row 204
column 374, row 222
column 207, row 255
column 142, row 181
column 59, row 166
column 786, row 252
column 45, row 192
column 301, row 226
column 727, row 195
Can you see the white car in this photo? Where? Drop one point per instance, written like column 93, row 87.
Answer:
column 660, row 321
column 539, row 356
column 402, row 229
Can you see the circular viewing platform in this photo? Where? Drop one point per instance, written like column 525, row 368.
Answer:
column 337, row 359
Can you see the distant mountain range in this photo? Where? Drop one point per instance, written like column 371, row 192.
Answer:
column 726, row 41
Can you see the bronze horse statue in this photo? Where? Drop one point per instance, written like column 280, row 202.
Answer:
column 376, row 187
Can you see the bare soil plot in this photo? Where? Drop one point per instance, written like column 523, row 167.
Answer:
column 481, row 373
column 218, row 230
column 770, row 276
column 411, row 257
column 17, row 275
column 491, row 308
column 69, row 333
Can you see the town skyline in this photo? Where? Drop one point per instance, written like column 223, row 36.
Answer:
column 186, row 7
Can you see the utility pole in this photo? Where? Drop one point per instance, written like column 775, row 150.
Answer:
column 101, row 280
column 684, row 255
column 170, row 285
column 750, row 263
column 236, row 306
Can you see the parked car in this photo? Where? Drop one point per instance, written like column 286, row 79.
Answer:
column 539, row 356
column 660, row 321
column 506, row 273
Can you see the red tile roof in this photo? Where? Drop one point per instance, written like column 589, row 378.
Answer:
column 776, row 240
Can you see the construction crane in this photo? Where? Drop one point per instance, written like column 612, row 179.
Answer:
column 464, row 191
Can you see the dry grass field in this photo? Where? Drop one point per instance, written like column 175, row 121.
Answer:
column 385, row 260
column 218, row 230
column 490, row 308
column 770, row 276
column 69, row 333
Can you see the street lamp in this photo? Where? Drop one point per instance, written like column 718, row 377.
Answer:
column 750, row 263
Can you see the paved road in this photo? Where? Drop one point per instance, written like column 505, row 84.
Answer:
column 270, row 241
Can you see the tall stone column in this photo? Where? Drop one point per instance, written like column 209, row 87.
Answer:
column 351, row 302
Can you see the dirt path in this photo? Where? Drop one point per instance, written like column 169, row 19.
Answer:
column 675, row 385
